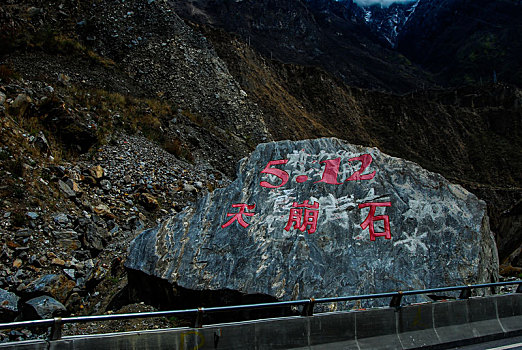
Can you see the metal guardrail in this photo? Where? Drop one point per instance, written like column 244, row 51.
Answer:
column 308, row 306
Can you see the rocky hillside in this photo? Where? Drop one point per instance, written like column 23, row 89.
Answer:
column 116, row 114
column 323, row 33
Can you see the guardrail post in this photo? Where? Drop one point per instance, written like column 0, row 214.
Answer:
column 56, row 329
column 308, row 308
column 198, row 322
column 396, row 300
column 465, row 293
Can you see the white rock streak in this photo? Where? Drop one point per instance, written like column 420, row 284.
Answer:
column 412, row 241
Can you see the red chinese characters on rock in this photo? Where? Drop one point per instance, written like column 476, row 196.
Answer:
column 239, row 216
column 371, row 218
column 303, row 217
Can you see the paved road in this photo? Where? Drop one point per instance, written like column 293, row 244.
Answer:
column 503, row 344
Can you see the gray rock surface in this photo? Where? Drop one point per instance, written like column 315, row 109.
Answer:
column 439, row 233
column 8, row 305
column 43, row 307
column 57, row 286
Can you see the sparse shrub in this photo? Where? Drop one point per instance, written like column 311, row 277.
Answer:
column 19, row 219
column 16, row 168
column 117, row 112
column 113, row 141
column 195, row 118
column 18, row 192
column 46, row 174
column 175, row 147
column 4, row 155
column 151, row 128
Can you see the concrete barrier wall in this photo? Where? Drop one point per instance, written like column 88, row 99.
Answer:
column 433, row 325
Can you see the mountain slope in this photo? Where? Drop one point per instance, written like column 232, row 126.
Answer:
column 320, row 33
column 466, row 41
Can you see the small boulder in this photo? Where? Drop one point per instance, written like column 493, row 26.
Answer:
column 73, row 186
column 42, row 144
column 20, row 104
column 32, row 215
column 43, row 307
column 148, row 201
column 67, row 239
column 96, row 172
column 61, row 219
column 103, row 211
column 94, row 238
column 66, row 190
column 8, row 306
column 105, row 185
column 58, row 286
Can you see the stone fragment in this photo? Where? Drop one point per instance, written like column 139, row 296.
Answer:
column 17, row 263
column 43, row 307
column 58, row 261
column 20, row 104
column 70, row 273
column 103, row 210
column 73, row 186
column 33, row 11
column 148, row 201
column 65, row 234
column 58, row 286
column 8, row 306
column 94, row 238
column 61, row 219
column 32, row 215
column 23, row 233
column 105, row 185
column 69, row 193
column 69, row 245
column 96, row 172
column 189, row 188
column 42, row 144
column 320, row 218
column 89, row 180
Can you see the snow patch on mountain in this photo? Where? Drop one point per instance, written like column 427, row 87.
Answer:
column 383, row 3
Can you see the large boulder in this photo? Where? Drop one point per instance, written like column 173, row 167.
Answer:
column 318, row 218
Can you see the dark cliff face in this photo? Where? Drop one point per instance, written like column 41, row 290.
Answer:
column 466, row 41
column 321, row 33
column 387, row 22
